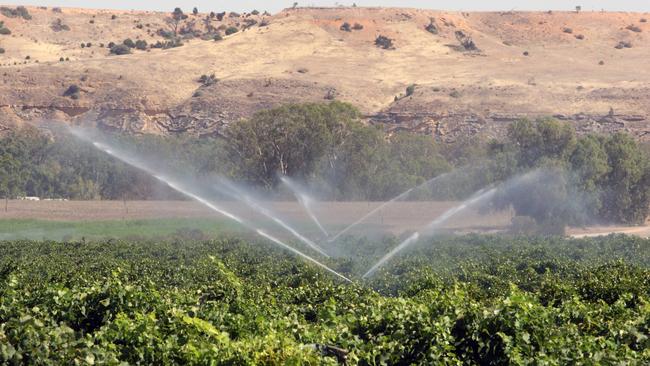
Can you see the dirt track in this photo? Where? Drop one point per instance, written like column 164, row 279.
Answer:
column 396, row 217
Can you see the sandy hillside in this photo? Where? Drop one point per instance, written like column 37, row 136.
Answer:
column 525, row 64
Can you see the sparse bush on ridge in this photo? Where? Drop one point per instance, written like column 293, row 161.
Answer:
column 432, row 27
column 231, row 30
column 141, row 44
column 410, row 90
column 19, row 11
column 633, row 28
column 208, row 80
column 72, row 91
column 623, row 44
column 384, row 42
column 129, row 43
column 346, row 27
column 58, row 26
column 3, row 30
column 172, row 43
column 120, row 49
column 466, row 41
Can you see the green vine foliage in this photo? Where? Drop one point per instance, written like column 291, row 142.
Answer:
column 467, row 300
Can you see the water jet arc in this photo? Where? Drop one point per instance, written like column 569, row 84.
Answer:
column 378, row 208
column 427, row 230
column 177, row 187
column 305, row 202
column 237, row 193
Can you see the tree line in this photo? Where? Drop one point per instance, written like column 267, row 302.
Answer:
column 606, row 177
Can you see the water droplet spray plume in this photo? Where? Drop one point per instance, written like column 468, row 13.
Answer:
column 430, row 229
column 385, row 204
column 188, row 192
column 305, row 201
column 237, row 193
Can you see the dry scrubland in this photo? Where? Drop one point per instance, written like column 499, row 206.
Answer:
column 565, row 64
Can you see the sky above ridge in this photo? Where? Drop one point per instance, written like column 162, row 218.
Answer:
column 274, row 6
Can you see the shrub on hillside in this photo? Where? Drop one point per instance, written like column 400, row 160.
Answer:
column 141, row 44
column 208, row 80
column 567, row 30
column 432, row 27
column 2, row 29
column 231, row 30
column 120, row 49
column 129, row 43
column 2, row 50
column 346, row 27
column 18, row 12
column 72, row 91
column 384, row 42
column 165, row 33
column 633, row 28
column 357, row 26
column 466, row 41
column 623, row 44
column 172, row 43
column 58, row 26
column 410, row 90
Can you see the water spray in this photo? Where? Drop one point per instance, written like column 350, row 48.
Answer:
column 435, row 224
column 305, row 201
column 430, row 228
column 237, row 193
column 188, row 192
column 383, row 205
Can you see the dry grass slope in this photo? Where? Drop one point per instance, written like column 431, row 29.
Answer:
column 526, row 65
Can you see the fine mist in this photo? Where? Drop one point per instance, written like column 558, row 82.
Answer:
column 197, row 191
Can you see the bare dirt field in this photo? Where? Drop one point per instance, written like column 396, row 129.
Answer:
column 396, row 217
